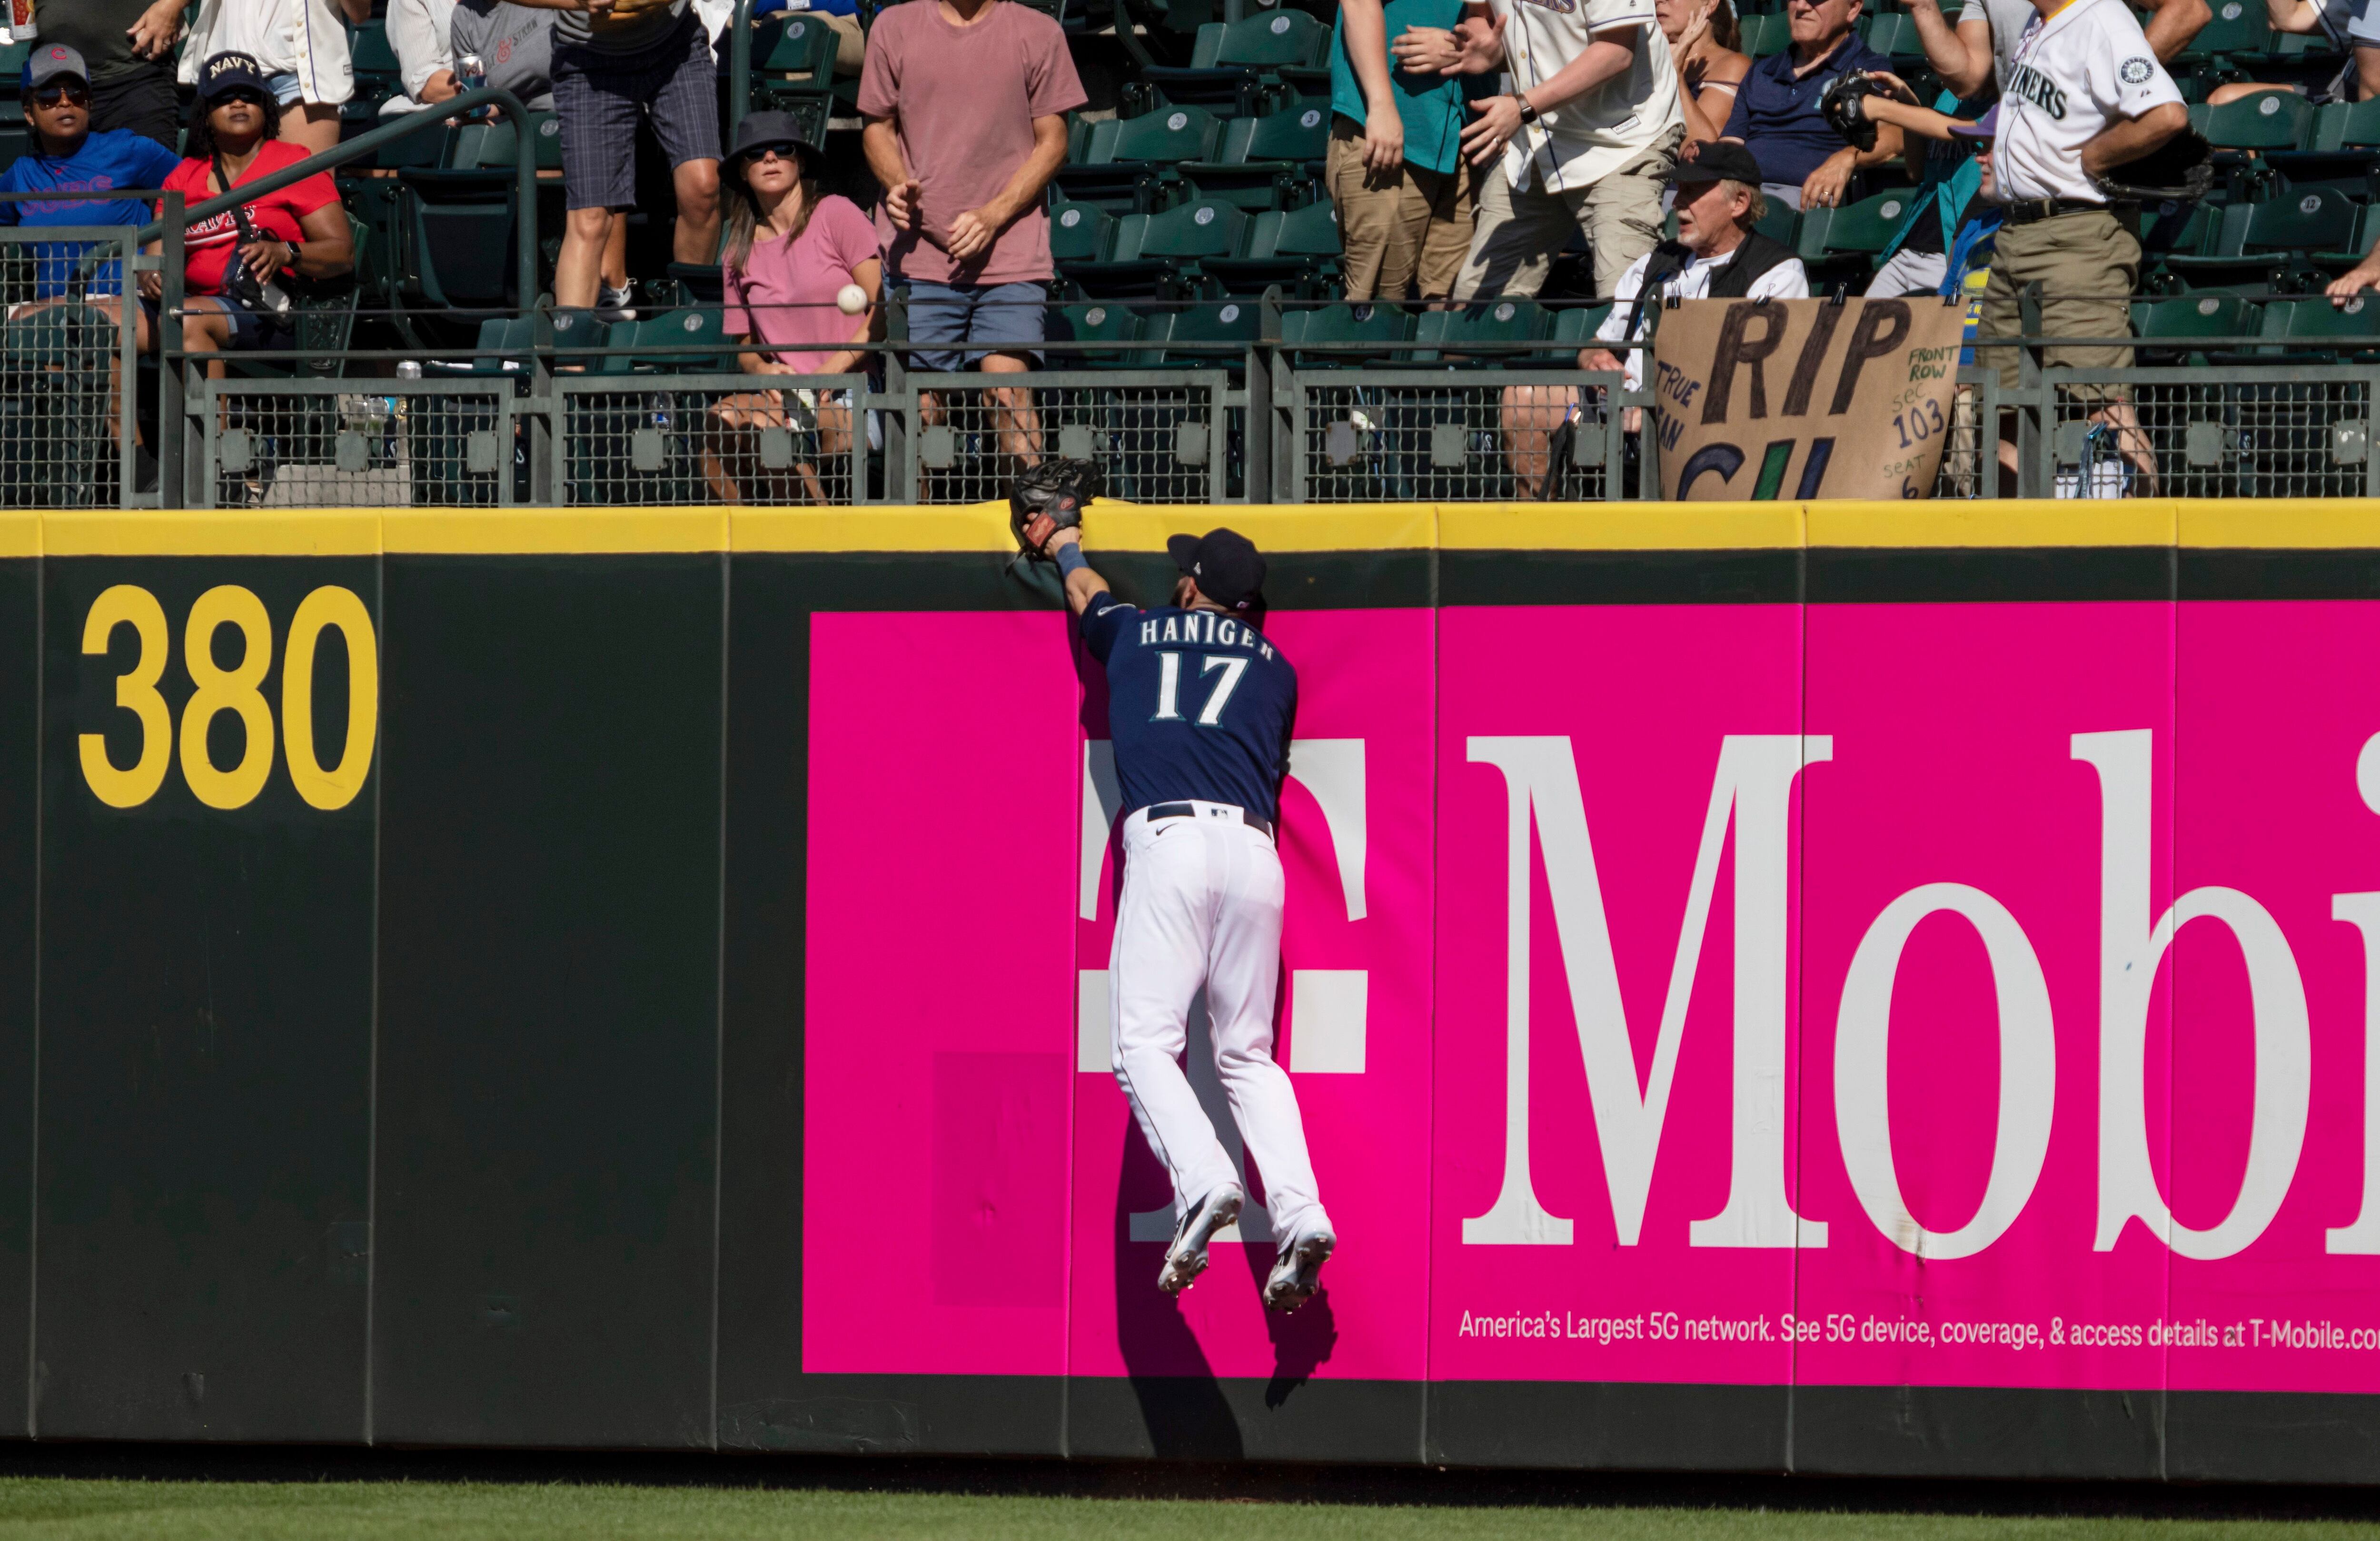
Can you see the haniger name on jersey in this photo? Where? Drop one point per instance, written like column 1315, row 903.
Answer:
column 1219, row 631
column 2033, row 86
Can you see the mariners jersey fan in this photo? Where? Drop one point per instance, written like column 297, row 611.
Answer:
column 2069, row 77
column 1199, row 706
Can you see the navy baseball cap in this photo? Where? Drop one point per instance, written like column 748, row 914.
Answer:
column 1224, row 564
column 52, row 61
column 228, row 72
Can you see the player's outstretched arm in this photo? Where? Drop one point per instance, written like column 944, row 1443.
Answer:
column 1083, row 585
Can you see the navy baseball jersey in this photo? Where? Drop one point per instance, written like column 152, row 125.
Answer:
column 1199, row 706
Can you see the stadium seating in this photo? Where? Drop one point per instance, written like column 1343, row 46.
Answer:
column 1299, row 248
column 2192, row 318
column 2267, row 243
column 1443, row 337
column 2353, row 329
column 1265, row 163
column 1124, row 161
column 1233, row 63
column 1354, row 334
column 1153, row 251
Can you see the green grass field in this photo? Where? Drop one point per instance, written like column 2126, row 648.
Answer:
column 455, row 1512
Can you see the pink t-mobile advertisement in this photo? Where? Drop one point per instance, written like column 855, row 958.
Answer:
column 1928, row 994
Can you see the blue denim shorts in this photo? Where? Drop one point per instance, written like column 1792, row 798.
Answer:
column 1007, row 317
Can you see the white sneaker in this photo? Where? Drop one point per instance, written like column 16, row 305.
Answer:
column 1186, row 1258
column 1297, row 1272
column 616, row 305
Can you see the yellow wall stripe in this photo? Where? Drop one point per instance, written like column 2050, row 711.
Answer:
column 2267, row 524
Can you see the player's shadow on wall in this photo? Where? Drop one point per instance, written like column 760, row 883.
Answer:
column 1182, row 1404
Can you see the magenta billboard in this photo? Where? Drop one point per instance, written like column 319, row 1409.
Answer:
column 1790, row 996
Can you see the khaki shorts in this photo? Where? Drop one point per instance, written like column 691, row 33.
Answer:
column 1521, row 230
column 2085, row 264
column 1404, row 233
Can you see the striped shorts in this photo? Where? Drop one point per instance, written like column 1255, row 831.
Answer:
column 600, row 96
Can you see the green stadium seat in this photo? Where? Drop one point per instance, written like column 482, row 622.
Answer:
column 2239, row 29
column 1865, row 227
column 2343, row 150
column 1443, row 336
column 2190, row 318
column 503, row 349
column 1356, row 334
column 2353, row 328
column 483, row 146
column 1231, row 62
column 1124, row 159
column 2264, row 121
column 1263, row 160
column 1779, row 223
column 1095, row 322
column 378, row 74
column 1894, row 34
column 1157, row 254
column 1299, row 248
column 2262, row 242
column 1766, row 34
column 1081, row 232
column 2336, row 264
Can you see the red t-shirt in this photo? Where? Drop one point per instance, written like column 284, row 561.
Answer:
column 964, row 99
column 209, row 243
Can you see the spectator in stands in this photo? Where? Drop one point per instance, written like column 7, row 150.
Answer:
column 419, row 33
column 790, row 252
column 1803, row 163
column 1951, row 221
column 966, row 103
column 2351, row 27
column 234, row 263
column 68, row 155
column 128, row 46
column 1395, row 169
column 1979, row 50
column 616, row 63
column 1592, row 126
column 302, row 46
column 1706, row 48
column 1719, row 254
column 514, row 44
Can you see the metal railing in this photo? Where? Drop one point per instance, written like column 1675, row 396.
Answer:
column 68, row 365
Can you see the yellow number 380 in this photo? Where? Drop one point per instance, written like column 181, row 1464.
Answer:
column 235, row 690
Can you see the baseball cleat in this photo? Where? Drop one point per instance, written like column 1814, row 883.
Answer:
column 1186, row 1258
column 1297, row 1272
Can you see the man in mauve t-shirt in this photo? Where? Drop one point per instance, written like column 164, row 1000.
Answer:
column 966, row 103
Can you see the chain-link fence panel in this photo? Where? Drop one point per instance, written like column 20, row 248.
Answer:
column 1391, row 436
column 68, row 430
column 1971, row 444
column 361, row 443
column 2277, row 431
column 1159, row 437
column 681, row 440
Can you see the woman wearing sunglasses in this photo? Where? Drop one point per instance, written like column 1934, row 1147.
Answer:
column 236, row 262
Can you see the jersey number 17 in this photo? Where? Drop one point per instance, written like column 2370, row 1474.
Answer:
column 1169, row 686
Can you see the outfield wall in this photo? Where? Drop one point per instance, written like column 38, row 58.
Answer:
column 636, row 978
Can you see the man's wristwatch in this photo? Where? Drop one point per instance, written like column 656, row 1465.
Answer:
column 1528, row 114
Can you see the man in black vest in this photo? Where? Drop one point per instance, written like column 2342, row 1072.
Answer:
column 1718, row 255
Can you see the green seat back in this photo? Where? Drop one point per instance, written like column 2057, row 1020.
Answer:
column 1169, row 135
column 1575, row 327
column 1312, row 231
column 2266, row 120
column 1267, row 39
column 1080, row 232
column 793, row 47
column 1894, row 33
column 696, row 326
column 1298, row 133
column 1868, row 224
column 2190, row 316
column 1095, row 322
column 2312, row 320
column 1779, row 223
column 1767, row 34
column 368, row 52
column 2237, row 26
column 1206, row 228
column 1381, row 327
column 2300, row 219
column 1499, row 320
column 2360, row 126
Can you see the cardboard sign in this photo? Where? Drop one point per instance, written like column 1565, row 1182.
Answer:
column 1804, row 398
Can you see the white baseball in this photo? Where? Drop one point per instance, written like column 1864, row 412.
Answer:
column 851, row 299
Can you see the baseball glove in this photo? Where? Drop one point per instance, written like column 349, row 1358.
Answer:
column 1840, row 108
column 2182, row 169
column 1050, row 497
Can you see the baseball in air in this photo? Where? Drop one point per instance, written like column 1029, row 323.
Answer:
column 851, row 300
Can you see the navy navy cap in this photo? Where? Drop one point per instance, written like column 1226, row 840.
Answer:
column 229, row 71
column 1224, row 564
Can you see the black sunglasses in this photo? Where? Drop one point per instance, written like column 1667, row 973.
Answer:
column 52, row 96
column 241, row 94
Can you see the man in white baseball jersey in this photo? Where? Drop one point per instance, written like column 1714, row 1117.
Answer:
column 1980, row 46
column 2085, row 95
column 1200, row 709
column 1591, row 127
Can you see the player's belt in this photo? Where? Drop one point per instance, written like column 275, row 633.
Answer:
column 2034, row 208
column 1190, row 811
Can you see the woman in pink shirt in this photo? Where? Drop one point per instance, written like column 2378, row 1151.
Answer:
column 789, row 253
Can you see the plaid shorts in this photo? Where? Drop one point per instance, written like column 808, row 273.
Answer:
column 600, row 96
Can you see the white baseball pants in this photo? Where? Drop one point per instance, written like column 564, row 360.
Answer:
column 1201, row 905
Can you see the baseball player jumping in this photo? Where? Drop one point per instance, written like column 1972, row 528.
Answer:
column 1199, row 707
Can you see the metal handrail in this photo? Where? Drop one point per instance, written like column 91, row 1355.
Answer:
column 366, row 143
